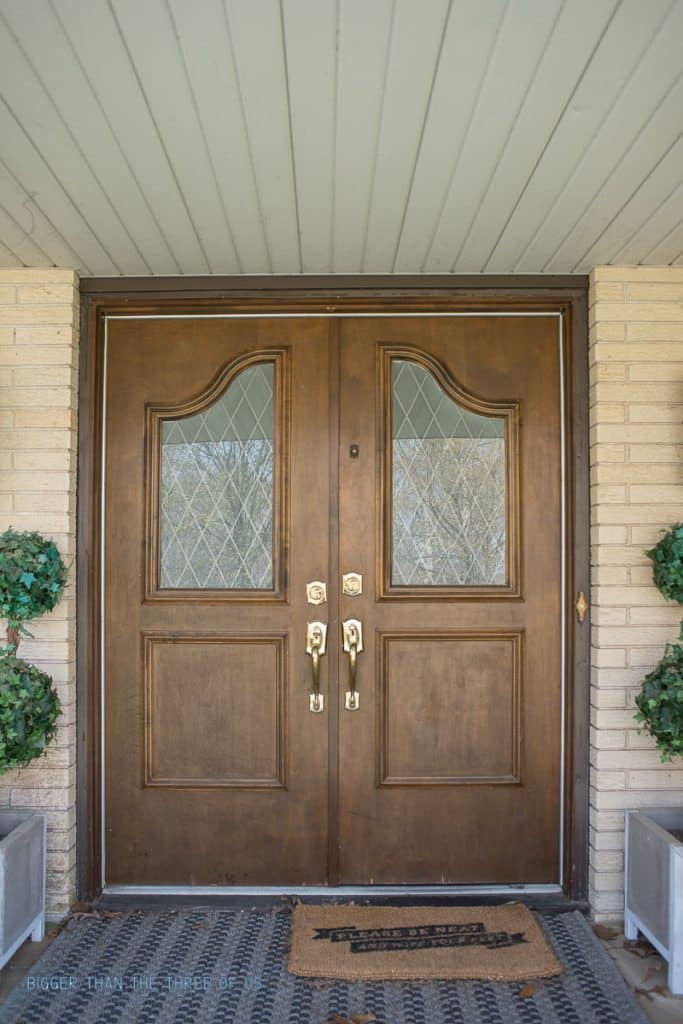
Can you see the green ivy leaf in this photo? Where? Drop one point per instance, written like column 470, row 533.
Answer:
column 32, row 576
column 660, row 703
column 667, row 559
column 29, row 709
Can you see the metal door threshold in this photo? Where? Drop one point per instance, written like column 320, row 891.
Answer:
column 367, row 891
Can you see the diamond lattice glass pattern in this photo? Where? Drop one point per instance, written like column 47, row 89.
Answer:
column 217, row 490
column 448, row 487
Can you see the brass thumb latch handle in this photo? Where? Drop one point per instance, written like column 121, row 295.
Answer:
column 581, row 606
column 316, row 637
column 352, row 636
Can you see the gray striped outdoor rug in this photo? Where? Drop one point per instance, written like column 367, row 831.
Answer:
column 205, row 965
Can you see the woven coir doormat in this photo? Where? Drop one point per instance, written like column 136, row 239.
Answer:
column 366, row 943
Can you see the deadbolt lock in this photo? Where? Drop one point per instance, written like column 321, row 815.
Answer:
column 316, row 592
column 352, row 584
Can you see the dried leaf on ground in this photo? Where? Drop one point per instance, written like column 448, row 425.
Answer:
column 603, row 932
column 90, row 913
column 80, row 907
column 526, row 992
column 638, row 949
column 358, row 1018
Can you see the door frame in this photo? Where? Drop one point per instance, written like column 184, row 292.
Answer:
column 325, row 295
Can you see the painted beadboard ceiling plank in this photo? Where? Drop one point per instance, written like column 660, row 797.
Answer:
column 575, row 36
column 259, row 54
column 651, row 147
column 416, row 44
column 310, row 28
column 151, row 39
column 364, row 36
column 637, row 100
column 669, row 250
column 207, row 49
column 113, row 79
column 52, row 56
column 36, row 185
column 627, row 37
column 470, row 35
column 48, row 42
column 34, row 109
column 526, row 28
column 652, row 231
column 645, row 198
column 7, row 258
column 17, row 237
column 34, row 228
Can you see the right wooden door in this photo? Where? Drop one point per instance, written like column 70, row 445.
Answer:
column 450, row 509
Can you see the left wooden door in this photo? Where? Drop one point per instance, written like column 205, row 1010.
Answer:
column 216, row 518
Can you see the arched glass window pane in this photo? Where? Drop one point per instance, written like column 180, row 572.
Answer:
column 448, row 487
column 216, row 490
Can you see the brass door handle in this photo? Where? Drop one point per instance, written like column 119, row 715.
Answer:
column 316, row 638
column 352, row 636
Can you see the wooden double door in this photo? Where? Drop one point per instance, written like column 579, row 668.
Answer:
column 367, row 508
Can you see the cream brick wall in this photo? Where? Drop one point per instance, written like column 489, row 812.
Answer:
column 636, row 421
column 38, row 396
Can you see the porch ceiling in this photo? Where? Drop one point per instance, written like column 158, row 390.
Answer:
column 313, row 136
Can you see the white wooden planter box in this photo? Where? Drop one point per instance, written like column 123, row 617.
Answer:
column 22, row 880
column 654, row 884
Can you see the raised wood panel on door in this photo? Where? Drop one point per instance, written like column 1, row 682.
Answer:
column 450, row 828
column 435, row 692
column 233, row 732
column 215, row 771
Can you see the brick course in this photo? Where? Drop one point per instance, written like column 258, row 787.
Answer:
column 636, row 420
column 38, row 408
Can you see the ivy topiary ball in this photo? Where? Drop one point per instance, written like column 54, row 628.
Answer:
column 667, row 561
column 660, row 702
column 32, row 576
column 29, row 709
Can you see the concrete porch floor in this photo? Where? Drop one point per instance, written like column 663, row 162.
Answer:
column 22, row 962
column 645, row 972
column 641, row 966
